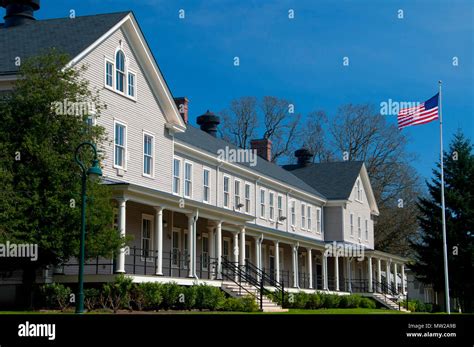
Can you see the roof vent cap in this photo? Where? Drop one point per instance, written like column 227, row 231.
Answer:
column 19, row 11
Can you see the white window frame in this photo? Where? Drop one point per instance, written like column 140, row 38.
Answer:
column 188, row 181
column 303, row 216
column 279, row 208
column 237, row 199
column 151, row 219
column 175, row 231
column 124, row 72
column 351, row 223
column 178, row 192
column 134, row 74
column 263, row 208
column 359, row 227
column 125, row 151
column 359, row 191
column 309, row 220
column 152, row 156
column 226, row 194
column 203, row 237
column 248, row 201
column 111, row 62
column 208, row 186
column 293, row 213
column 366, row 230
column 319, row 214
column 271, row 204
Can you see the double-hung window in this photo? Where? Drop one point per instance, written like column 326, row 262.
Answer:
column 359, row 231
column 247, row 198
column 280, row 207
column 109, row 73
column 131, row 84
column 293, row 212
column 176, row 176
column 318, row 220
column 309, row 218
column 271, row 200
column 148, row 155
column 188, row 180
column 206, row 179
column 366, row 230
column 120, row 145
column 352, row 224
column 226, row 190
column 120, row 71
column 303, row 216
column 236, row 194
column 147, row 226
column 262, row 203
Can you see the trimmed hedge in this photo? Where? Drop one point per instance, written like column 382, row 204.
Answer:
column 123, row 294
column 418, row 306
column 314, row 301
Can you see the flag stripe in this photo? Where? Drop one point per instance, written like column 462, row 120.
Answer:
column 420, row 114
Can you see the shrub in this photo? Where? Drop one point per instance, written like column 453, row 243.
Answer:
column 249, row 304
column 187, row 297
column 91, row 298
column 429, row 308
column 349, row 301
column 314, row 301
column 330, row 300
column 298, row 300
column 208, row 298
column 117, row 293
column 232, row 304
column 146, row 296
column 367, row 303
column 419, row 306
column 170, row 293
column 56, row 295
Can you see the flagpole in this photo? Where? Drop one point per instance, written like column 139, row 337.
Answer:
column 445, row 246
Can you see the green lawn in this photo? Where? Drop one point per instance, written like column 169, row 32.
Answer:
column 292, row 311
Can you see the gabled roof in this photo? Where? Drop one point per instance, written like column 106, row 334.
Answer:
column 334, row 179
column 70, row 36
column 77, row 37
column 202, row 140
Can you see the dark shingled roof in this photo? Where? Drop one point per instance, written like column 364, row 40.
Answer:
column 70, row 36
column 202, row 140
column 335, row 179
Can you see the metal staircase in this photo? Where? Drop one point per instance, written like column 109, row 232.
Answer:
column 249, row 280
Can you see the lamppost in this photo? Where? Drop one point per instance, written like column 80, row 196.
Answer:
column 94, row 172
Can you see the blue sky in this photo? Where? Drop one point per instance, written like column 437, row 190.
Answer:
column 301, row 59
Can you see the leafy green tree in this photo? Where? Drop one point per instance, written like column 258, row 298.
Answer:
column 40, row 183
column 459, row 200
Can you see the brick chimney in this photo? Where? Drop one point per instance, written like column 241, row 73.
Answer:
column 263, row 148
column 182, row 105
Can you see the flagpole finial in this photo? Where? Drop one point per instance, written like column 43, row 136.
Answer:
column 439, row 82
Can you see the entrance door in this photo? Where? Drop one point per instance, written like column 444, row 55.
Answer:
column 272, row 264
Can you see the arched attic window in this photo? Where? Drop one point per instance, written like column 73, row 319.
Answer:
column 120, row 71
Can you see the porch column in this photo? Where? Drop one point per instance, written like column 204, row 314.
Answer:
column 242, row 246
column 387, row 273
column 349, row 274
column 403, row 278
column 236, row 252
column 295, row 266
column 379, row 274
column 159, row 239
column 324, row 269
column 395, row 275
column 120, row 261
column 277, row 260
column 369, row 269
column 219, row 249
column 192, row 259
column 310, row 268
column 336, row 272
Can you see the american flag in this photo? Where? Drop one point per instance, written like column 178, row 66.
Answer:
column 420, row 114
